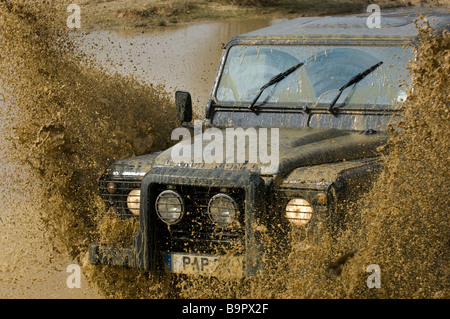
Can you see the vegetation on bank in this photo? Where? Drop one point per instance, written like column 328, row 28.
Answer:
column 144, row 15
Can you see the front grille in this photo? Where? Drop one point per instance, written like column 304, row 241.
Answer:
column 116, row 200
column 195, row 232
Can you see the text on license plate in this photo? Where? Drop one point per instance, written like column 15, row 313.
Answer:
column 191, row 263
column 194, row 264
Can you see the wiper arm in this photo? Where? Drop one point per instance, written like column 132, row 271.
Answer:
column 352, row 81
column 277, row 78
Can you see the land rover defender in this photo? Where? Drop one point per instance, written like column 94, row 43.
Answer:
column 325, row 91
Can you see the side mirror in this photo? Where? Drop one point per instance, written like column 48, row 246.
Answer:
column 183, row 103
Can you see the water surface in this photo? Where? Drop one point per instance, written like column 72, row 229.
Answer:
column 180, row 58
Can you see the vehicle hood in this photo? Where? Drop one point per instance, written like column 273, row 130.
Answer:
column 297, row 147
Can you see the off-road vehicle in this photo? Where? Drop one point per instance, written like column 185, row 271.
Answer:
column 321, row 91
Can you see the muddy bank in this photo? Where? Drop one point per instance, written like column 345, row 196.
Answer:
column 145, row 16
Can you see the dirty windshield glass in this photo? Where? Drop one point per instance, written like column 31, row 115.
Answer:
column 325, row 70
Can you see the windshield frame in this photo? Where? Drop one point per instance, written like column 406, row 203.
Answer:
column 214, row 105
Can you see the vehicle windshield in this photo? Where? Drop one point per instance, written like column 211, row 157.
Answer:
column 317, row 82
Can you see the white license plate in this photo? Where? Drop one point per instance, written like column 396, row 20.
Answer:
column 196, row 264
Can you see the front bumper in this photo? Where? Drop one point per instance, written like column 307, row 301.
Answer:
column 102, row 254
column 145, row 252
column 178, row 263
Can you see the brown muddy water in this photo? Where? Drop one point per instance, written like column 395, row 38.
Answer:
column 72, row 105
column 183, row 57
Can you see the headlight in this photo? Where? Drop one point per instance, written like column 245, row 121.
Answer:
column 169, row 207
column 133, row 201
column 299, row 211
column 222, row 209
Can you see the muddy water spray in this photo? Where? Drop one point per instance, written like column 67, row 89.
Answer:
column 71, row 120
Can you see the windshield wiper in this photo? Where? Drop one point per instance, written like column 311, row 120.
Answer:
column 277, row 78
column 352, row 81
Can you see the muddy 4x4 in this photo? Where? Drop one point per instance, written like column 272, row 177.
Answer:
column 290, row 136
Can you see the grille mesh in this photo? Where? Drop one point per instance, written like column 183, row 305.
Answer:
column 196, row 230
column 117, row 201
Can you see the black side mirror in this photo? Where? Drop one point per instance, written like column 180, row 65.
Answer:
column 183, row 103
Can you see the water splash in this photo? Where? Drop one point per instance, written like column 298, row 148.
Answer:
column 71, row 120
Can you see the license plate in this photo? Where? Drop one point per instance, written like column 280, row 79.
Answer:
column 196, row 264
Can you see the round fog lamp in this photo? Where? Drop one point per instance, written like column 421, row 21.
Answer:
column 169, row 207
column 133, row 201
column 222, row 209
column 299, row 211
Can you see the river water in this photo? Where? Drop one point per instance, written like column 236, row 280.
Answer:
column 183, row 57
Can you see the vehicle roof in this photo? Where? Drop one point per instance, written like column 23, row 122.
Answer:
column 396, row 26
